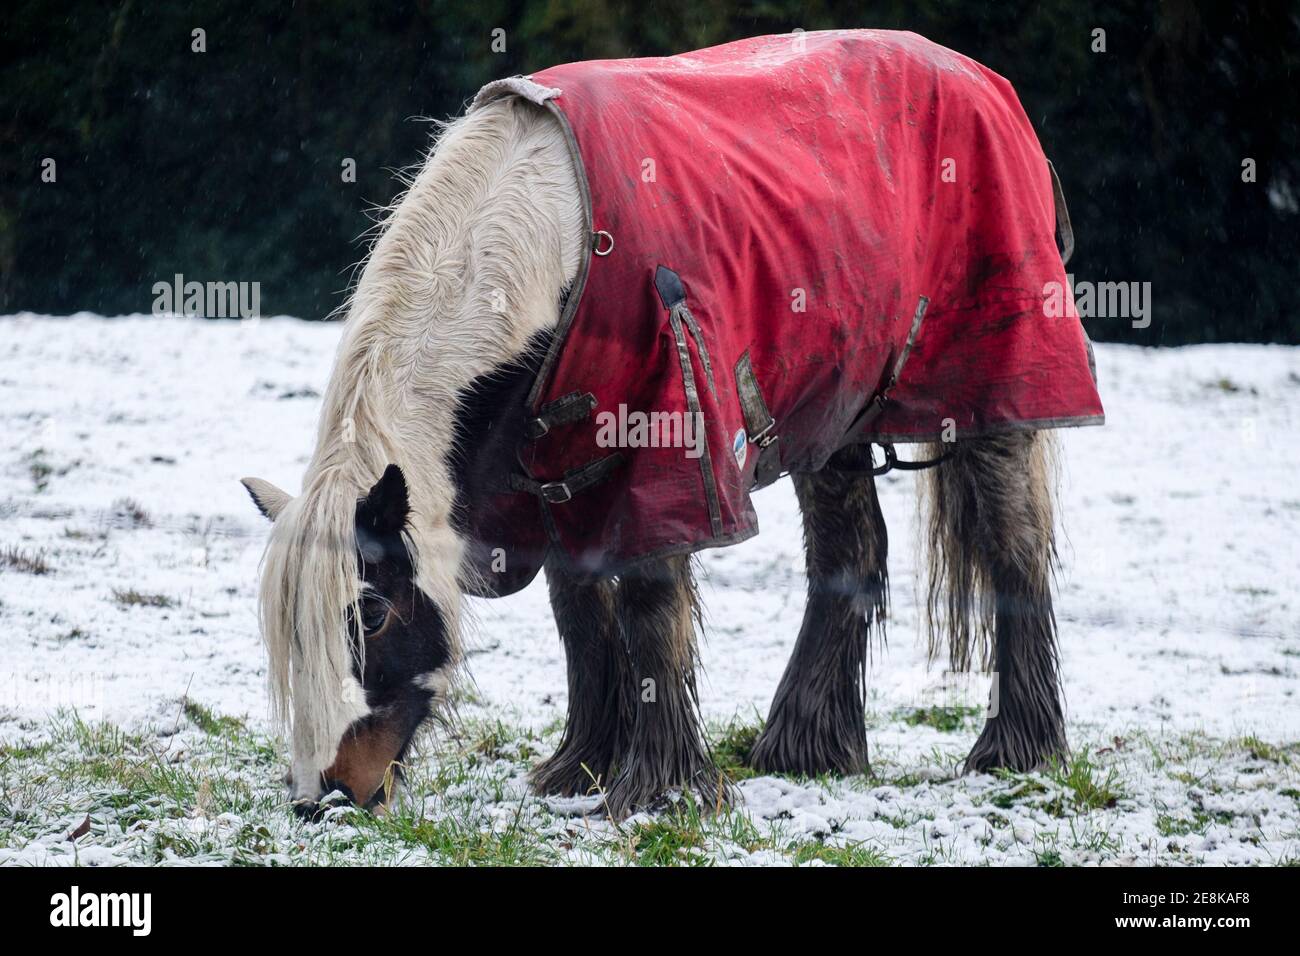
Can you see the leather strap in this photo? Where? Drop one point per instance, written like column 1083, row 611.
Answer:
column 565, row 410
column 574, row 480
column 1064, row 231
column 877, row 403
column 759, row 423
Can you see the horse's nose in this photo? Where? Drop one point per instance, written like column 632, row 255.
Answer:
column 333, row 794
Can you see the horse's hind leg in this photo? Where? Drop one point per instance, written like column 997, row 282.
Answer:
column 666, row 750
column 595, row 732
column 992, row 552
column 817, row 723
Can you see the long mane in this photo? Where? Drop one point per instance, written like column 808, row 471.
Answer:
column 468, row 265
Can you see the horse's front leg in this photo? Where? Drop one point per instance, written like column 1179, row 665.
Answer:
column 666, row 750
column 600, row 691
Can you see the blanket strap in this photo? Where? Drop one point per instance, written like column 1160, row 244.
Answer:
column 854, row 465
column 877, row 403
column 565, row 410
column 1064, row 231
column 574, row 480
column 893, row 462
column 758, row 423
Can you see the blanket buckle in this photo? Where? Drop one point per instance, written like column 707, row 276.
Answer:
column 556, row 492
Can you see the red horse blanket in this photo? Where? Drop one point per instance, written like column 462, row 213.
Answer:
column 799, row 242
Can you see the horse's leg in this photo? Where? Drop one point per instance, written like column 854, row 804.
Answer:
column 599, row 687
column 666, row 750
column 816, row 723
column 992, row 554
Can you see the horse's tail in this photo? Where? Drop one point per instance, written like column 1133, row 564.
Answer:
column 989, row 533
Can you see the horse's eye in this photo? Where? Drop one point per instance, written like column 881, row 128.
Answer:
column 373, row 615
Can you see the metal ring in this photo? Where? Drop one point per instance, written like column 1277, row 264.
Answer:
column 595, row 243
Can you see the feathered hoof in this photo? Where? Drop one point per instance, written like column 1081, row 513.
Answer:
column 998, row 750
column 632, row 793
column 777, row 751
column 566, row 774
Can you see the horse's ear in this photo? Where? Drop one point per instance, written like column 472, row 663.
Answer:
column 269, row 499
column 386, row 506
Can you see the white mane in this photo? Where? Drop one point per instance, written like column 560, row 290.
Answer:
column 469, row 265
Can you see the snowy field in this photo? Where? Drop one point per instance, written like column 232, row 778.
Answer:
column 132, row 707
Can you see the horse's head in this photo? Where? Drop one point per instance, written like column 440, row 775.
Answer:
column 361, row 650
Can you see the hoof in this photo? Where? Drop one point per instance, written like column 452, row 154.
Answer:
column 782, row 753
column 997, row 750
column 562, row 775
column 631, row 794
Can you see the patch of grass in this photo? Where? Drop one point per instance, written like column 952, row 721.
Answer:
column 40, row 469
column 732, row 745
column 213, row 725
column 495, row 741
column 1066, row 787
column 1173, row 826
column 1048, row 857
column 1025, row 789
column 131, row 513
column 1254, row 592
column 850, row 854
column 946, row 719
column 133, row 598
column 1082, row 779
column 24, row 750
column 1262, row 750
column 674, row 838
column 1225, row 384
column 462, row 843
column 27, row 562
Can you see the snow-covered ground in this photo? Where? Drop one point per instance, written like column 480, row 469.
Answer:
column 1177, row 603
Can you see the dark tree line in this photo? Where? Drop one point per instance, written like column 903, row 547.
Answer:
column 226, row 164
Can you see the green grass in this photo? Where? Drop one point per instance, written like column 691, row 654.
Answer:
column 207, row 787
column 733, row 742
column 946, row 719
column 1076, row 784
column 1261, row 750
column 851, row 854
column 40, row 469
column 1198, row 823
column 210, row 723
column 1085, row 784
column 130, row 597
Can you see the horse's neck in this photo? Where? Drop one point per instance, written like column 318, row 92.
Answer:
column 453, row 313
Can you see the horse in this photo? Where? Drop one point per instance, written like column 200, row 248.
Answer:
column 471, row 302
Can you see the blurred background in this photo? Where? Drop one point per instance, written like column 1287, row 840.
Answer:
column 225, row 165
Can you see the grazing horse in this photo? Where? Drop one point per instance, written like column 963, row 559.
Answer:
column 759, row 248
